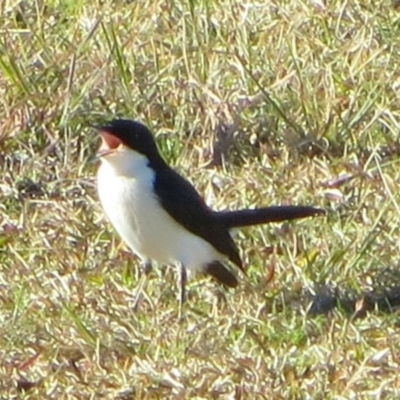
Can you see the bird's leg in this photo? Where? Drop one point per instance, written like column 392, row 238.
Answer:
column 182, row 287
column 146, row 268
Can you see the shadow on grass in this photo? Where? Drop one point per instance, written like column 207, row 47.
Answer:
column 382, row 296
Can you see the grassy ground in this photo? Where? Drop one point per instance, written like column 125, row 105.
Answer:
column 261, row 103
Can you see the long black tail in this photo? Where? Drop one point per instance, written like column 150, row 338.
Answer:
column 233, row 219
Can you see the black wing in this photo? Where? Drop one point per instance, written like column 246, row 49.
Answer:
column 182, row 202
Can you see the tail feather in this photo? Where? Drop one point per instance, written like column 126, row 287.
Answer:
column 222, row 274
column 233, row 219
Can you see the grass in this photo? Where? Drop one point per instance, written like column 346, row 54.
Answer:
column 260, row 103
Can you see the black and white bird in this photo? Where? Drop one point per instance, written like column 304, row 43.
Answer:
column 161, row 216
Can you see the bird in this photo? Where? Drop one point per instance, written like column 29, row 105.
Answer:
column 161, row 216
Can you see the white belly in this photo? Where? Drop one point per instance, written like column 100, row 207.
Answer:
column 136, row 214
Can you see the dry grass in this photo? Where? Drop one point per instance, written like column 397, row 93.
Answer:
column 261, row 103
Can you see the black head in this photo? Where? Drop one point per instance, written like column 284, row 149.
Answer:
column 130, row 133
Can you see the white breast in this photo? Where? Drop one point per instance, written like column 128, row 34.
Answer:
column 125, row 186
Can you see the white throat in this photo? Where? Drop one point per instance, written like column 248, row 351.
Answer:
column 127, row 162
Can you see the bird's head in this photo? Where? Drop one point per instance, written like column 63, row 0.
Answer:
column 121, row 135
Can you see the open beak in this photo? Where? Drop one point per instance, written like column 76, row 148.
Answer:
column 109, row 143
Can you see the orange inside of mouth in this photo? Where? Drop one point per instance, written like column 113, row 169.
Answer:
column 109, row 141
